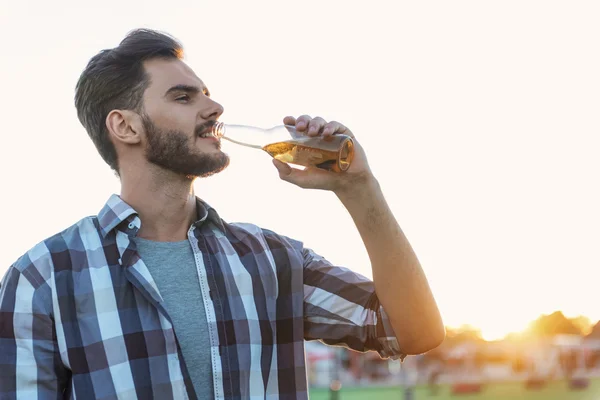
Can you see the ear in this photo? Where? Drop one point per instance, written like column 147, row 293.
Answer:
column 124, row 126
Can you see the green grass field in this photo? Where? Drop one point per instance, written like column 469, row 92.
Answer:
column 500, row 391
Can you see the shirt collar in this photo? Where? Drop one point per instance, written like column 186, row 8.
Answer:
column 116, row 212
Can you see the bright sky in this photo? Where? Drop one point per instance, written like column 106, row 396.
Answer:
column 480, row 120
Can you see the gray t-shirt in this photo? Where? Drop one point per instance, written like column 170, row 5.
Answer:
column 173, row 268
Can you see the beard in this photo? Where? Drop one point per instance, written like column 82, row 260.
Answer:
column 171, row 150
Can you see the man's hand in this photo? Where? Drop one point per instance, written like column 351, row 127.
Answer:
column 316, row 178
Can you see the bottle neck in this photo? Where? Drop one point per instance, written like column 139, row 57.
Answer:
column 221, row 129
column 252, row 136
column 248, row 136
column 218, row 130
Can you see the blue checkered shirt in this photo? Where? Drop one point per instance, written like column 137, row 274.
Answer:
column 81, row 317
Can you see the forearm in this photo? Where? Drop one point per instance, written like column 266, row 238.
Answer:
column 400, row 282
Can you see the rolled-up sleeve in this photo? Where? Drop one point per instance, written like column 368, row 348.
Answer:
column 28, row 350
column 341, row 308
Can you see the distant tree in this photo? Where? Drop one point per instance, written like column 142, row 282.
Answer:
column 465, row 333
column 554, row 324
column 595, row 332
column 519, row 364
column 513, row 337
column 583, row 323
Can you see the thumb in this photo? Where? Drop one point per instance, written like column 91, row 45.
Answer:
column 284, row 169
column 291, row 175
column 311, row 178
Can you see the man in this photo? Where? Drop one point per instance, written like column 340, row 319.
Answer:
column 158, row 297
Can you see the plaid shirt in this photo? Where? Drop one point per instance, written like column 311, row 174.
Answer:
column 81, row 317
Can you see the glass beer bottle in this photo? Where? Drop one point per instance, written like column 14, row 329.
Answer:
column 284, row 143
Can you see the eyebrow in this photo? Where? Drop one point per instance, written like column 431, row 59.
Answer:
column 187, row 89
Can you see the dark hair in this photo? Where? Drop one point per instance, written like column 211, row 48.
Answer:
column 116, row 79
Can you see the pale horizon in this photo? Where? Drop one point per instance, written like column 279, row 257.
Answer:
column 480, row 121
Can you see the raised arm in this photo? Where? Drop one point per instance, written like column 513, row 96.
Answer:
column 400, row 283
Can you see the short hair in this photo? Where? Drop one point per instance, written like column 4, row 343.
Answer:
column 116, row 79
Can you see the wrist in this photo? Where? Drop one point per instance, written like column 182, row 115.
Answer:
column 358, row 187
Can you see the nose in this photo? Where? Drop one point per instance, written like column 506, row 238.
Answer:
column 212, row 111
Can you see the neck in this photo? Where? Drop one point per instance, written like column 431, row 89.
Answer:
column 165, row 202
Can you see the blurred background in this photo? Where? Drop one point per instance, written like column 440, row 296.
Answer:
column 479, row 118
column 554, row 358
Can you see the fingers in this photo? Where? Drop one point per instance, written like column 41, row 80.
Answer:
column 289, row 120
column 334, row 127
column 302, row 123
column 317, row 126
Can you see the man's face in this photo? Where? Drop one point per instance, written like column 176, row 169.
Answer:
column 177, row 112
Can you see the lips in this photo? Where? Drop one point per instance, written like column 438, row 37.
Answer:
column 206, row 130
